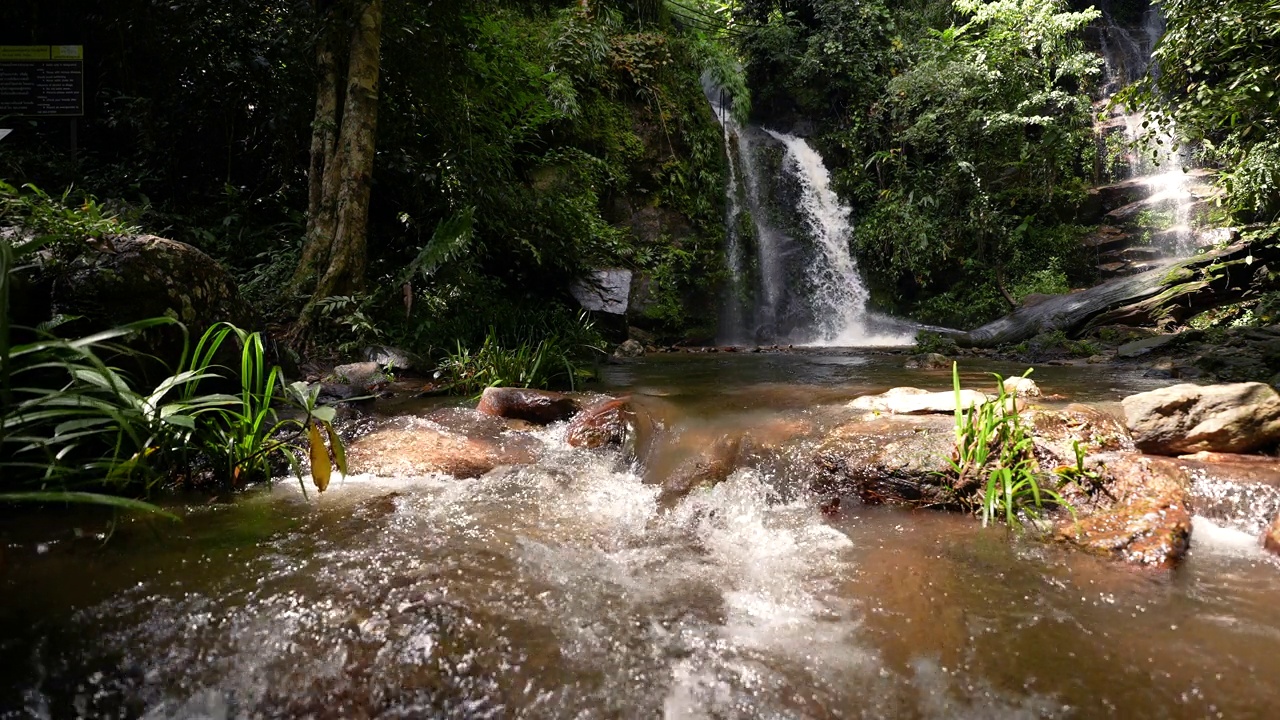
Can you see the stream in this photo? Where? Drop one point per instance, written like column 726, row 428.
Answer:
column 566, row 590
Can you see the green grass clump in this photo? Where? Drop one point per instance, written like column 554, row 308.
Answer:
column 993, row 451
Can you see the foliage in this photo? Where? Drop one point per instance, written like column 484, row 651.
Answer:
column 70, row 418
column 1219, row 84
column 547, row 363
column 545, row 125
column 993, row 448
column 959, row 130
column 932, row 342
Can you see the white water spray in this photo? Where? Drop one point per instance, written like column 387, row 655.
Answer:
column 837, row 294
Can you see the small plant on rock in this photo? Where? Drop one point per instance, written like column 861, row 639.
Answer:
column 993, row 455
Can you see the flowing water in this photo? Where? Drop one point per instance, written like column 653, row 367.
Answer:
column 1155, row 157
column 792, row 277
column 566, row 590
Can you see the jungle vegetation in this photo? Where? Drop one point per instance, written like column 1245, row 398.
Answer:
column 434, row 175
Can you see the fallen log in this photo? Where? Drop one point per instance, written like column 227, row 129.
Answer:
column 1173, row 292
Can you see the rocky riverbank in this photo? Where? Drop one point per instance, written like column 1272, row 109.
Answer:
column 1133, row 476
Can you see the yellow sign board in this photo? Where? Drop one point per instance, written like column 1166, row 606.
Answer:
column 24, row 52
column 41, row 80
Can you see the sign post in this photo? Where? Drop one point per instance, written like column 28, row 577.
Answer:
column 42, row 81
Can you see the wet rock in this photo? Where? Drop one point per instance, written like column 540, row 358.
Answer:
column 1147, row 519
column 605, row 423
column 889, row 460
column 1022, row 387
column 1168, row 367
column 540, row 407
column 362, row 375
column 424, row 449
column 914, row 401
column 1271, row 538
column 707, row 468
column 928, row 361
column 135, row 278
column 629, row 349
column 1189, row 418
column 1138, row 348
column 392, row 359
column 1056, row 433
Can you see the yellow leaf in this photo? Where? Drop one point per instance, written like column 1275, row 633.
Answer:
column 320, row 468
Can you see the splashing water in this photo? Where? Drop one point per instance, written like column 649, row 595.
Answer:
column 838, row 297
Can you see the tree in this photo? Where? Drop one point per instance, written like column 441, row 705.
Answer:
column 342, row 151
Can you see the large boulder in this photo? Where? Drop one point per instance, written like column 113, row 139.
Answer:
column 540, row 407
column 1146, row 516
column 888, row 460
column 608, row 422
column 139, row 277
column 431, row 448
column 1186, row 418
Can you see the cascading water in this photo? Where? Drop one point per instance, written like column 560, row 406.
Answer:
column 837, row 295
column 1155, row 159
column 792, row 277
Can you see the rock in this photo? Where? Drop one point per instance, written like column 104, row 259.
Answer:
column 889, row 460
column 424, row 449
column 1138, row 348
column 363, row 375
column 707, row 468
column 541, row 407
column 1186, row 418
column 643, row 337
column 391, row 359
column 629, row 349
column 145, row 276
column 1271, row 538
column 604, row 291
column 1168, row 367
column 1055, row 434
column 1021, row 387
column 1148, row 520
column 1096, row 359
column 605, row 423
column 928, row 361
column 914, row 401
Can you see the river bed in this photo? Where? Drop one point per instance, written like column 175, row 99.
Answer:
column 567, row 590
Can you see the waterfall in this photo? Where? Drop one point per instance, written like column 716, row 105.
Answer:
column 792, row 278
column 1153, row 161
column 837, row 295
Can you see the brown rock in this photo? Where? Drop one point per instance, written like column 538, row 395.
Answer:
column 398, row 451
column 891, row 460
column 1186, row 418
column 1149, row 521
column 707, row 468
column 605, row 423
column 1055, row 433
column 536, row 406
column 1271, row 538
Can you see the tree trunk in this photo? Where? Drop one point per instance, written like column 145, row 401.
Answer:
column 341, row 170
column 1175, row 292
column 320, row 206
